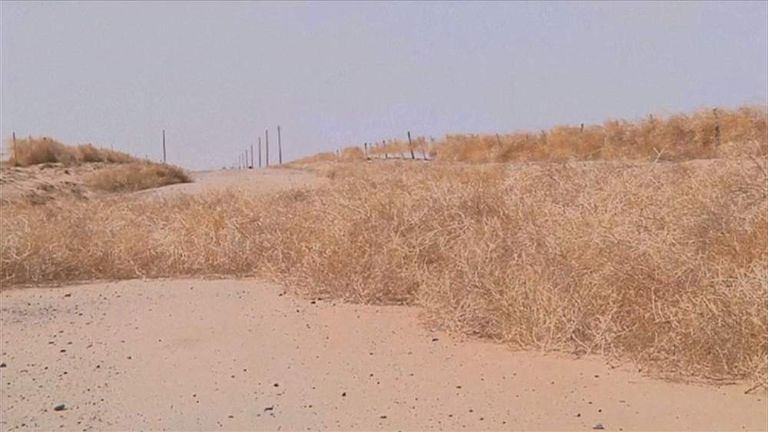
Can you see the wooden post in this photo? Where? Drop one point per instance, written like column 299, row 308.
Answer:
column 365, row 150
column 410, row 145
column 266, row 143
column 259, row 152
column 717, row 127
column 252, row 165
column 15, row 153
column 163, row 145
column 279, row 147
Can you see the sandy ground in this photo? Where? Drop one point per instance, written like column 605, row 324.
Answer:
column 45, row 182
column 242, row 355
column 249, row 181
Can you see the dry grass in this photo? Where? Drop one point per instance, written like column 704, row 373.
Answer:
column 33, row 151
column 319, row 157
column 665, row 264
column 401, row 149
column 705, row 134
column 136, row 176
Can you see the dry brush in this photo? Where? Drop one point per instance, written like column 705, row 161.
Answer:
column 664, row 264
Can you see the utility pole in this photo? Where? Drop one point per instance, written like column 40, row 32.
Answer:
column 266, row 143
column 279, row 147
column 163, row 145
column 252, row 165
column 259, row 152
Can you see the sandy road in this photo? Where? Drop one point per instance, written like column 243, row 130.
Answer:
column 241, row 355
column 258, row 181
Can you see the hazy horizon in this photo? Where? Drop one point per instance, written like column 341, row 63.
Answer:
column 216, row 75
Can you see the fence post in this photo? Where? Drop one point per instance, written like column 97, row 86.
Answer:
column 717, row 127
column 266, row 144
column 410, row 146
column 252, row 164
column 279, row 147
column 365, row 150
column 163, row 145
column 15, row 153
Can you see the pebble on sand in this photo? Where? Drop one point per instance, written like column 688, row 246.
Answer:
column 598, row 426
column 60, row 407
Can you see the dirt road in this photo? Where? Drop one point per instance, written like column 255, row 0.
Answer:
column 250, row 181
column 241, row 355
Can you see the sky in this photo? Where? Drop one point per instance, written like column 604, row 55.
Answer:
column 216, row 75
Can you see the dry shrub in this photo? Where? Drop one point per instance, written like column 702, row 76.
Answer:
column 319, row 157
column 136, row 176
column 401, row 148
column 352, row 154
column 33, row 151
column 719, row 133
column 348, row 154
column 665, row 264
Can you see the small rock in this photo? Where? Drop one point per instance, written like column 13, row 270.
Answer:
column 60, row 407
column 269, row 408
column 598, row 426
column 68, row 295
column 435, row 339
column 2, row 365
column 344, row 394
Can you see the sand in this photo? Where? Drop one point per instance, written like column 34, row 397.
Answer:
column 243, row 355
column 259, row 181
column 46, row 182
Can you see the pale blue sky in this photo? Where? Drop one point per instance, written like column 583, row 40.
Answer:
column 215, row 75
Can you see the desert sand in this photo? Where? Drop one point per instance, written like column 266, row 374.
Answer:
column 244, row 355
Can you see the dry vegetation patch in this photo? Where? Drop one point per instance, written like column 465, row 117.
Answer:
column 136, row 176
column 709, row 133
column 665, row 264
column 42, row 169
column 33, row 151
